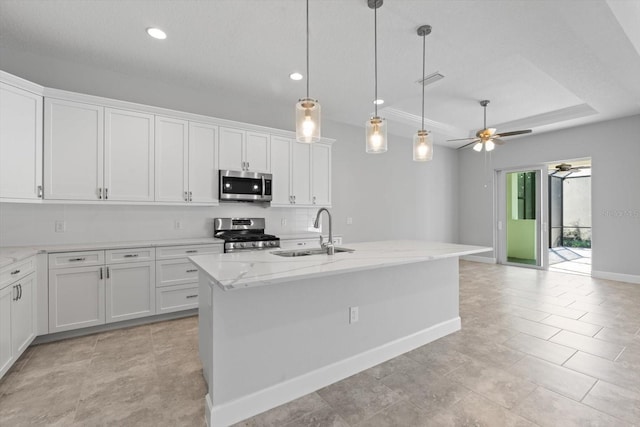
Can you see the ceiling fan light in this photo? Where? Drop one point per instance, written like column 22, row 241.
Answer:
column 376, row 135
column 489, row 145
column 308, row 120
column 422, row 146
column 478, row 147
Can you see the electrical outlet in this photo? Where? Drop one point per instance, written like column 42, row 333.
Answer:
column 353, row 314
column 61, row 226
column 178, row 225
column 283, row 222
column 349, row 220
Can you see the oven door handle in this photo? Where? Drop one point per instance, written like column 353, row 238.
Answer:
column 263, row 186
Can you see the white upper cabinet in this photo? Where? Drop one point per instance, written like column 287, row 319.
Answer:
column 203, row 175
column 73, row 150
column 172, row 160
column 20, row 143
column 321, row 174
column 281, row 170
column 128, row 155
column 244, row 151
column 301, row 173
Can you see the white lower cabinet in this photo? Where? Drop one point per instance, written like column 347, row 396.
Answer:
column 177, row 277
column 89, row 295
column 130, row 291
column 17, row 311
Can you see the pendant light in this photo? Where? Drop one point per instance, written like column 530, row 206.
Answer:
column 308, row 109
column 423, row 140
column 376, row 127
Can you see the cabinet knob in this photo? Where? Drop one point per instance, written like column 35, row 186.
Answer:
column 100, row 193
column 106, row 193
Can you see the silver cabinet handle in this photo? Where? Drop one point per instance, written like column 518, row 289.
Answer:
column 192, row 296
column 130, row 255
column 186, row 196
column 100, row 193
column 195, row 270
column 190, row 196
column 314, row 200
column 108, row 274
column 13, row 273
column 40, row 191
column 77, row 259
column 192, row 251
column 19, row 297
column 101, row 273
column 17, row 293
column 106, row 193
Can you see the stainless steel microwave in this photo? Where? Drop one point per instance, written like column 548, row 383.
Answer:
column 241, row 186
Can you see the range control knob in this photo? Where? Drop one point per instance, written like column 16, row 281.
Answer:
column 254, row 244
column 241, row 245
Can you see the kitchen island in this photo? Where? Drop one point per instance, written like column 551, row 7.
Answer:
column 275, row 328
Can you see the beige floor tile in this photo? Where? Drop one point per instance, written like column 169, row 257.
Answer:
column 622, row 374
column 62, row 352
column 495, row 384
column 590, row 345
column 549, row 409
column 611, row 321
column 551, row 352
column 616, row 401
column 535, row 329
column 400, row 414
column 325, row 417
column 565, row 381
column 401, row 363
column 577, row 326
column 440, row 357
column 286, row 413
column 617, row 336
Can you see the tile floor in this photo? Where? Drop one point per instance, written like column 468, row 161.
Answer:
column 536, row 348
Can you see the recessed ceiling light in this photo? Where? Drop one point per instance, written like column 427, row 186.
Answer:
column 156, row 33
column 295, row 76
column 379, row 101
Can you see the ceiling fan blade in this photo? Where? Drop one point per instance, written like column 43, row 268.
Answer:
column 498, row 141
column 461, row 139
column 492, row 131
column 515, row 132
column 472, row 142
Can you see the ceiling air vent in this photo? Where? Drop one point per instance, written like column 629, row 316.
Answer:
column 431, row 78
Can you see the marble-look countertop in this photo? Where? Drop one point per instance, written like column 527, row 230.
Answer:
column 9, row 255
column 250, row 269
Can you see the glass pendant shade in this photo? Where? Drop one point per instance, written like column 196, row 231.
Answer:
column 308, row 120
column 422, row 146
column 489, row 145
column 376, row 135
column 478, row 147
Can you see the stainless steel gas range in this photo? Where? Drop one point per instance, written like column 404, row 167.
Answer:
column 244, row 234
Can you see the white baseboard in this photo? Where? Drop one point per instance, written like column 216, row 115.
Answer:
column 619, row 277
column 278, row 394
column 476, row 258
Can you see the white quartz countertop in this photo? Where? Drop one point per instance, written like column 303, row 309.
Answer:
column 9, row 255
column 249, row 269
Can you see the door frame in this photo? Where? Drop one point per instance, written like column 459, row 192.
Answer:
column 542, row 212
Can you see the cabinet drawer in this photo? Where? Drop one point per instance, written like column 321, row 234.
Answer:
column 184, row 251
column 299, row 244
column 76, row 259
column 17, row 271
column 176, row 298
column 130, row 255
column 175, row 272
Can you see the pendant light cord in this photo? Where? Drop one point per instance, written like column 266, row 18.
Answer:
column 307, row 49
column 424, row 36
column 375, row 56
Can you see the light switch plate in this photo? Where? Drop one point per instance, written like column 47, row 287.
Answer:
column 61, row 226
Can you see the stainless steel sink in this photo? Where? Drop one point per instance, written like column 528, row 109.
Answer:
column 307, row 252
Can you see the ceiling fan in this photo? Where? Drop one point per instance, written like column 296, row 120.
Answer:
column 565, row 167
column 487, row 137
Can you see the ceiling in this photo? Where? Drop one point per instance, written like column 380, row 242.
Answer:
column 544, row 65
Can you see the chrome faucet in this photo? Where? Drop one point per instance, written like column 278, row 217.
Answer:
column 316, row 224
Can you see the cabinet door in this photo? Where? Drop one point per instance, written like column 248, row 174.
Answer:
column 128, row 155
column 203, row 175
column 281, row 170
column 23, row 323
column 171, row 163
column 130, row 291
column 76, row 298
column 257, row 152
column 20, row 143
column 7, row 294
column 230, row 154
column 321, row 175
column 73, row 150
column 300, row 173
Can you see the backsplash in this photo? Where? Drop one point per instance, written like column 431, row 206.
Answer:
column 35, row 224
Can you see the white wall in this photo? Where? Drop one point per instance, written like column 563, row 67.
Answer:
column 614, row 149
column 388, row 196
